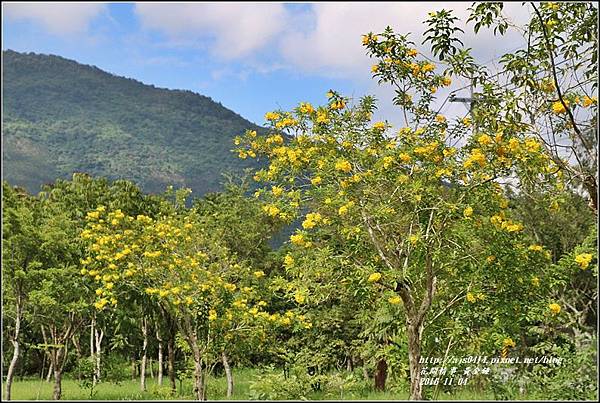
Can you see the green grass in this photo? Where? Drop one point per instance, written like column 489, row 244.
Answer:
column 36, row 389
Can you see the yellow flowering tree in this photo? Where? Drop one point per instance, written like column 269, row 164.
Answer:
column 398, row 199
column 547, row 87
column 182, row 263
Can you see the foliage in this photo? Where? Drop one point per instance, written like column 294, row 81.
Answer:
column 62, row 117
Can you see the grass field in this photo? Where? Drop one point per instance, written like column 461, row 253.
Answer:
column 37, row 389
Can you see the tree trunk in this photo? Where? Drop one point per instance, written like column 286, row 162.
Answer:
column 99, row 335
column 77, row 345
column 11, row 368
column 57, row 393
column 151, row 366
column 144, row 355
column 160, row 363
column 414, row 357
column 228, row 374
column 50, row 372
column 198, row 374
column 365, row 372
column 133, row 367
column 17, row 347
column 349, row 364
column 171, row 364
column 92, row 348
column 381, row 374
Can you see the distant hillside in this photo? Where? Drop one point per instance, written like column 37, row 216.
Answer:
column 62, row 117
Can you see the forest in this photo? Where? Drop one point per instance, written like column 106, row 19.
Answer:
column 452, row 258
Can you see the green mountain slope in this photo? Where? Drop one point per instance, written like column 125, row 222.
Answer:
column 61, row 117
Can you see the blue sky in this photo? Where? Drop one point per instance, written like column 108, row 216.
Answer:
column 252, row 58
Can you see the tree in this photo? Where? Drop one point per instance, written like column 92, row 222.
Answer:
column 400, row 201
column 20, row 237
column 180, row 261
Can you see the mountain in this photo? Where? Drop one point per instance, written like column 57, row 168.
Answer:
column 61, row 117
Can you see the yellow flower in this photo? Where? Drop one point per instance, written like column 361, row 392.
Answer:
column 536, row 248
column 316, row 180
column 277, row 191
column 212, row 314
column 322, row 117
column 100, row 304
column 468, row 212
column 343, row 165
column 93, row 214
column 374, row 277
column 446, row 81
column 404, row 157
column 535, row 282
column 490, row 258
column 288, row 261
column 583, row 260
column 395, row 300
column 450, row 151
column 508, row 342
column 297, row 239
column 388, row 161
column 271, row 210
column 272, row 116
column 305, row 107
column 379, row 126
column 299, row 297
column 470, row 297
column 484, row 139
column 428, row 67
column 374, row 68
column 554, row 308
column 413, row 239
column 532, row 145
column 587, row 101
column 558, row 107
column 440, row 118
column 338, row 105
column 476, row 156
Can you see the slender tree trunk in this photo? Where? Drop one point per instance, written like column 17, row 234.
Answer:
column 349, row 364
column 381, row 374
column 17, row 347
column 151, row 366
column 92, row 347
column 171, row 364
column 414, row 358
column 144, row 355
column 133, row 367
column 50, row 372
column 11, row 368
column 43, row 366
column 365, row 372
column 228, row 374
column 160, row 363
column 77, row 345
column 99, row 335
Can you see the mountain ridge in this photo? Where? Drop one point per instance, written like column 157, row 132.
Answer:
column 61, row 116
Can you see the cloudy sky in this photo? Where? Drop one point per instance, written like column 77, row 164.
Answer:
column 251, row 57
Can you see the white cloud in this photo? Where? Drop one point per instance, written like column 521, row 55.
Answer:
column 56, row 18
column 237, row 29
column 333, row 45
